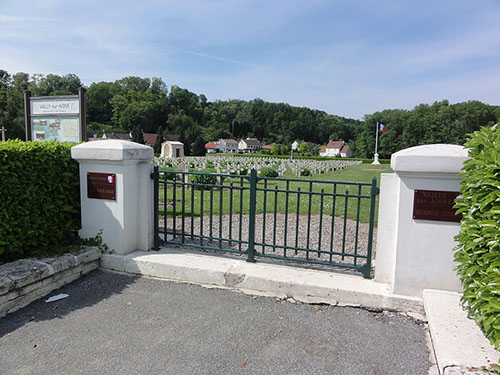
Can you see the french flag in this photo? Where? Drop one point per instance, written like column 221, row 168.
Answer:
column 110, row 179
column 381, row 127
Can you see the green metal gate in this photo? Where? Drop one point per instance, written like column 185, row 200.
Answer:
column 301, row 220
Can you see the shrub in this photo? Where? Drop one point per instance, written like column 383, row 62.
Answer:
column 205, row 179
column 243, row 172
column 478, row 252
column 39, row 197
column 305, row 172
column 268, row 172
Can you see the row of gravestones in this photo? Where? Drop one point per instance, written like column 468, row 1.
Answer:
column 236, row 165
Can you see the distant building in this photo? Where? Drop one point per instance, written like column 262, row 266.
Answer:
column 346, row 151
column 336, row 148
column 249, row 145
column 172, row 149
column 228, row 146
column 172, row 137
column 267, row 147
column 212, row 147
column 150, row 138
column 120, row 136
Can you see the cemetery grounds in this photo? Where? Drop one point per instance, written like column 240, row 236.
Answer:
column 320, row 221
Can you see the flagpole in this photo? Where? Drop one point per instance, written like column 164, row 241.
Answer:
column 375, row 157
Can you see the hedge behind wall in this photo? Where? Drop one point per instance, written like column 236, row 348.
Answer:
column 39, row 198
column 478, row 252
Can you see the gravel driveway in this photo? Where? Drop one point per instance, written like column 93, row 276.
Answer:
column 314, row 235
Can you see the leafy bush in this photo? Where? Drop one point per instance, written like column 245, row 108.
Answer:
column 203, row 179
column 305, row 172
column 243, row 172
column 268, row 172
column 39, row 197
column 478, row 252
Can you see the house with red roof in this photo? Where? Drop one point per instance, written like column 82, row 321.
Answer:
column 212, row 147
column 336, row 148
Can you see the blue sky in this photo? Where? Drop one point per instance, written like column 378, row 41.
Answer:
column 348, row 57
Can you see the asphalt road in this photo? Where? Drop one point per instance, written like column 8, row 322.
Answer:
column 119, row 324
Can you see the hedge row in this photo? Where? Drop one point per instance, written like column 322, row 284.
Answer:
column 367, row 161
column 478, row 252
column 39, row 198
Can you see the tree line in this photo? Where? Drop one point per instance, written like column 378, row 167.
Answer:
column 135, row 105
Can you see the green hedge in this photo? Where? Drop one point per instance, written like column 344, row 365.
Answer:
column 366, row 161
column 39, row 198
column 478, row 252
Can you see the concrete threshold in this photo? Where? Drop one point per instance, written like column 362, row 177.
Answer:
column 459, row 344
column 262, row 278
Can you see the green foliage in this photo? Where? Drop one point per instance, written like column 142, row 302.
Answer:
column 478, row 252
column 40, row 197
column 268, row 172
column 440, row 122
column 137, row 135
column 203, row 179
column 147, row 104
column 305, row 172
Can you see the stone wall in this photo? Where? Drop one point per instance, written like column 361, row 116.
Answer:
column 25, row 280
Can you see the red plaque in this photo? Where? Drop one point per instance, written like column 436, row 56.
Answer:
column 101, row 185
column 435, row 205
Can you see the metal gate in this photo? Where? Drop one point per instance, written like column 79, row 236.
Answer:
column 301, row 220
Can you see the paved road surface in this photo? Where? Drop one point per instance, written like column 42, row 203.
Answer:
column 119, row 324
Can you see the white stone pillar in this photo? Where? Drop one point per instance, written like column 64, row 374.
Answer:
column 127, row 221
column 413, row 255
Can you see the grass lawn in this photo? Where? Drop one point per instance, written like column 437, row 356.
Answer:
column 234, row 197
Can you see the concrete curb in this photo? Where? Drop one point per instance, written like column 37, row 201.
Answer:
column 458, row 342
column 305, row 285
column 25, row 280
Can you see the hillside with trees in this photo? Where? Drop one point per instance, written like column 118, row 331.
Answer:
column 134, row 104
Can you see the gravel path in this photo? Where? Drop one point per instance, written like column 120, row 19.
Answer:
column 314, row 235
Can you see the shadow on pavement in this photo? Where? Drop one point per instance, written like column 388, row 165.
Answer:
column 87, row 291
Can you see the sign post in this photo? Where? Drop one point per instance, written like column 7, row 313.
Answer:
column 60, row 118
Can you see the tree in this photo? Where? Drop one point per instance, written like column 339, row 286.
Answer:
column 274, row 149
column 158, row 142
column 303, row 148
column 53, row 84
column 137, row 135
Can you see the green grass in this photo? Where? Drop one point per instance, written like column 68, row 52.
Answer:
column 313, row 204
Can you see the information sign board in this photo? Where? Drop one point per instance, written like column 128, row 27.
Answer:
column 59, row 118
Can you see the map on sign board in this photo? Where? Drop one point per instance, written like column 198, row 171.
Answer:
column 63, row 129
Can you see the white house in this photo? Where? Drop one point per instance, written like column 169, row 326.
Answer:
column 228, row 146
column 346, row 151
column 249, row 145
column 336, row 148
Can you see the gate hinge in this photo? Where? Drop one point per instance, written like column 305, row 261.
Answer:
column 375, row 190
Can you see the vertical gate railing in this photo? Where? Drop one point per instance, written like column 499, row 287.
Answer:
column 309, row 221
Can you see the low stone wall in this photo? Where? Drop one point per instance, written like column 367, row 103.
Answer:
column 25, row 280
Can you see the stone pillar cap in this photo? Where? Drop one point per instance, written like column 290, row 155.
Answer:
column 436, row 158
column 112, row 150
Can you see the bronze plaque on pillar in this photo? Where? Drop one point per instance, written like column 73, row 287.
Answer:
column 435, row 205
column 101, row 185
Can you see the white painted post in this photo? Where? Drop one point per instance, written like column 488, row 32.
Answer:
column 413, row 255
column 127, row 221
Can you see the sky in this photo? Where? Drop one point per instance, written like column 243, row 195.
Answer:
column 345, row 57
